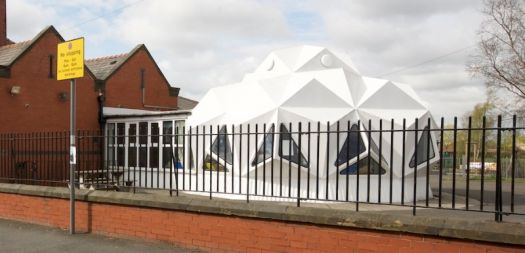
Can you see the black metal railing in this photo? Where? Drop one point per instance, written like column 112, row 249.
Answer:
column 43, row 157
column 422, row 164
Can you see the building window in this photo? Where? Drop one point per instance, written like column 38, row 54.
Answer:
column 266, row 149
column 211, row 164
column 221, row 146
column 143, row 144
column 363, row 168
column 179, row 143
column 288, row 149
column 111, row 144
column 121, row 128
column 154, row 147
column 167, row 139
column 424, row 141
column 167, row 132
column 144, row 148
column 350, row 148
column 50, row 75
column 132, row 146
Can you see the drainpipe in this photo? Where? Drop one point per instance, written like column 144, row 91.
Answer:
column 102, row 124
column 101, row 99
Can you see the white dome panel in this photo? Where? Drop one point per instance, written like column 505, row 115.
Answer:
column 308, row 85
column 315, row 95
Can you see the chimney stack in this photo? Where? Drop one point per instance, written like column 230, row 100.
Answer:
column 3, row 24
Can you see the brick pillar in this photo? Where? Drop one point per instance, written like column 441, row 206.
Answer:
column 3, row 23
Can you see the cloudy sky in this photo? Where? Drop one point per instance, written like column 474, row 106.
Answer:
column 205, row 43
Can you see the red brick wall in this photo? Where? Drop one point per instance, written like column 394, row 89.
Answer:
column 127, row 79
column 37, row 107
column 224, row 233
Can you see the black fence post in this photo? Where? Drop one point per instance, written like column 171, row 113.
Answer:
column 248, row 165
column 348, row 159
column 467, row 153
column 498, row 204
column 513, row 163
column 210, row 166
column 391, row 159
column 369, row 135
column 240, row 158
column 482, row 186
column 336, row 170
column 256, row 176
column 233, row 148
column 176, row 161
column 403, row 162
column 299, row 158
column 455, row 133
column 380, row 158
column 442, row 125
column 171, row 164
column 183, row 165
column 357, row 163
column 415, row 168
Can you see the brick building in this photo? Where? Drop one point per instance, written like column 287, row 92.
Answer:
column 121, row 94
column 33, row 100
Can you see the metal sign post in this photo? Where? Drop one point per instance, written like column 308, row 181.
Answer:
column 70, row 65
column 72, row 155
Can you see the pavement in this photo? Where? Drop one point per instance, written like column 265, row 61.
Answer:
column 460, row 199
column 489, row 191
column 22, row 237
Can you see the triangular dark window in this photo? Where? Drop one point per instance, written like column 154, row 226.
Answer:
column 288, row 149
column 350, row 149
column 375, row 149
column 221, row 146
column 363, row 168
column 211, row 164
column 266, row 149
column 422, row 149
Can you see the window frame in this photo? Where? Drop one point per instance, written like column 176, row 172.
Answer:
column 137, row 142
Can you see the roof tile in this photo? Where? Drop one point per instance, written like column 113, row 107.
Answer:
column 103, row 67
column 186, row 103
column 9, row 53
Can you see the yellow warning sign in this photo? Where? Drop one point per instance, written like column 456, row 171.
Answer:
column 70, row 59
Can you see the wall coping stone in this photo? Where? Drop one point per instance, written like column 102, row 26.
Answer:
column 479, row 230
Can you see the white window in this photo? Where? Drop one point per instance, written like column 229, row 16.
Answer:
column 145, row 145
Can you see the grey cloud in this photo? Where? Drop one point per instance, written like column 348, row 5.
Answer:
column 19, row 26
column 205, row 43
column 408, row 10
column 187, row 26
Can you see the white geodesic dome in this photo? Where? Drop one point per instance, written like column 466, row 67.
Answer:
column 311, row 85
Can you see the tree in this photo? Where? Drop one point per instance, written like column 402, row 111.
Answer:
column 500, row 59
column 476, row 135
